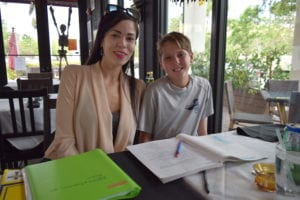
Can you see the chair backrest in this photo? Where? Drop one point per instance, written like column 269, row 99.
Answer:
column 21, row 107
column 44, row 75
column 20, row 118
column 282, row 85
column 40, row 75
column 230, row 96
column 49, row 105
column 31, row 84
column 294, row 108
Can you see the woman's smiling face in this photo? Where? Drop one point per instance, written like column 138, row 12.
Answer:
column 119, row 42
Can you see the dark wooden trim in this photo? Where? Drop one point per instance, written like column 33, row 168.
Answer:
column 217, row 60
column 43, row 36
column 3, row 74
column 84, row 44
column 151, row 28
column 66, row 3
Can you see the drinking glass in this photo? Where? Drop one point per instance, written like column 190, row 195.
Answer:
column 287, row 173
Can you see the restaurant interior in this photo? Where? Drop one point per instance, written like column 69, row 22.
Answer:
column 155, row 22
column 254, row 73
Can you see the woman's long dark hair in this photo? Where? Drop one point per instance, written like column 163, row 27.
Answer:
column 106, row 23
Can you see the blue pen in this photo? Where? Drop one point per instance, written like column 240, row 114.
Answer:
column 177, row 152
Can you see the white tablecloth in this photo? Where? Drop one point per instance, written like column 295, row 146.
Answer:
column 234, row 180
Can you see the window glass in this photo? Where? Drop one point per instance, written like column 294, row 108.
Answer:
column 258, row 48
column 20, row 39
column 194, row 20
column 128, row 4
column 21, row 50
column 115, row 2
column 64, row 43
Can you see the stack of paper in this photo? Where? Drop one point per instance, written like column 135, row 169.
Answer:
column 197, row 153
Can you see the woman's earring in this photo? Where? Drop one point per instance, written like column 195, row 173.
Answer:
column 101, row 52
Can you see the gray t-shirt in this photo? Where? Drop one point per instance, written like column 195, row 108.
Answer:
column 168, row 110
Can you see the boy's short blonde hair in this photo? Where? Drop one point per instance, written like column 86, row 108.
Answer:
column 179, row 39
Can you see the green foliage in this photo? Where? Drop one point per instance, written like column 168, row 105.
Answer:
column 175, row 24
column 238, row 71
column 256, row 44
column 6, row 34
column 28, row 45
column 201, row 64
column 283, row 8
column 11, row 74
column 55, row 47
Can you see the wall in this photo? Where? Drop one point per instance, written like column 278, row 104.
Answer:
column 296, row 51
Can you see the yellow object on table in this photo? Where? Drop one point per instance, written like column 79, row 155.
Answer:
column 265, row 176
column 13, row 192
column 11, row 176
column 12, row 186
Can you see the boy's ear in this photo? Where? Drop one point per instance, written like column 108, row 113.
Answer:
column 192, row 58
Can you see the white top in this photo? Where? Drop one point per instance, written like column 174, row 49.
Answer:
column 168, row 110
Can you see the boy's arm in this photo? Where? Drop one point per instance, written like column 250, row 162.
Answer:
column 202, row 129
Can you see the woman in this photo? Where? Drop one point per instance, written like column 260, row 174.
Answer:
column 98, row 103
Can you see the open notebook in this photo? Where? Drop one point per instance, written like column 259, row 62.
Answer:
column 197, row 153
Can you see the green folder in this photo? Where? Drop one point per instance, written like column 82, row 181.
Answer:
column 87, row 176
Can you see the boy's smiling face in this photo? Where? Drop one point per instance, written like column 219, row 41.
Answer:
column 176, row 63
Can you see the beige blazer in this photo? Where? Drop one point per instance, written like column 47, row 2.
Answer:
column 83, row 117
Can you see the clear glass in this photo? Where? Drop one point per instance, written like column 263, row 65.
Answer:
column 287, row 174
column 20, row 39
column 26, row 56
column 72, row 52
column 259, row 47
column 128, row 4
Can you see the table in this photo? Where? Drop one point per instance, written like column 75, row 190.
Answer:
column 151, row 186
column 233, row 181
column 281, row 99
column 13, row 83
column 23, row 143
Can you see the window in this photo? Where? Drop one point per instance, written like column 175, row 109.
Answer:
column 259, row 47
column 20, row 39
column 63, row 53
column 193, row 19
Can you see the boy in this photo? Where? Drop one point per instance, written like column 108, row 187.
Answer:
column 178, row 102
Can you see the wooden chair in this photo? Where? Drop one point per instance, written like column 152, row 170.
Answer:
column 23, row 116
column 44, row 75
column 280, row 86
column 49, row 134
column 294, row 108
column 30, row 84
column 40, row 75
column 48, row 106
column 242, row 117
